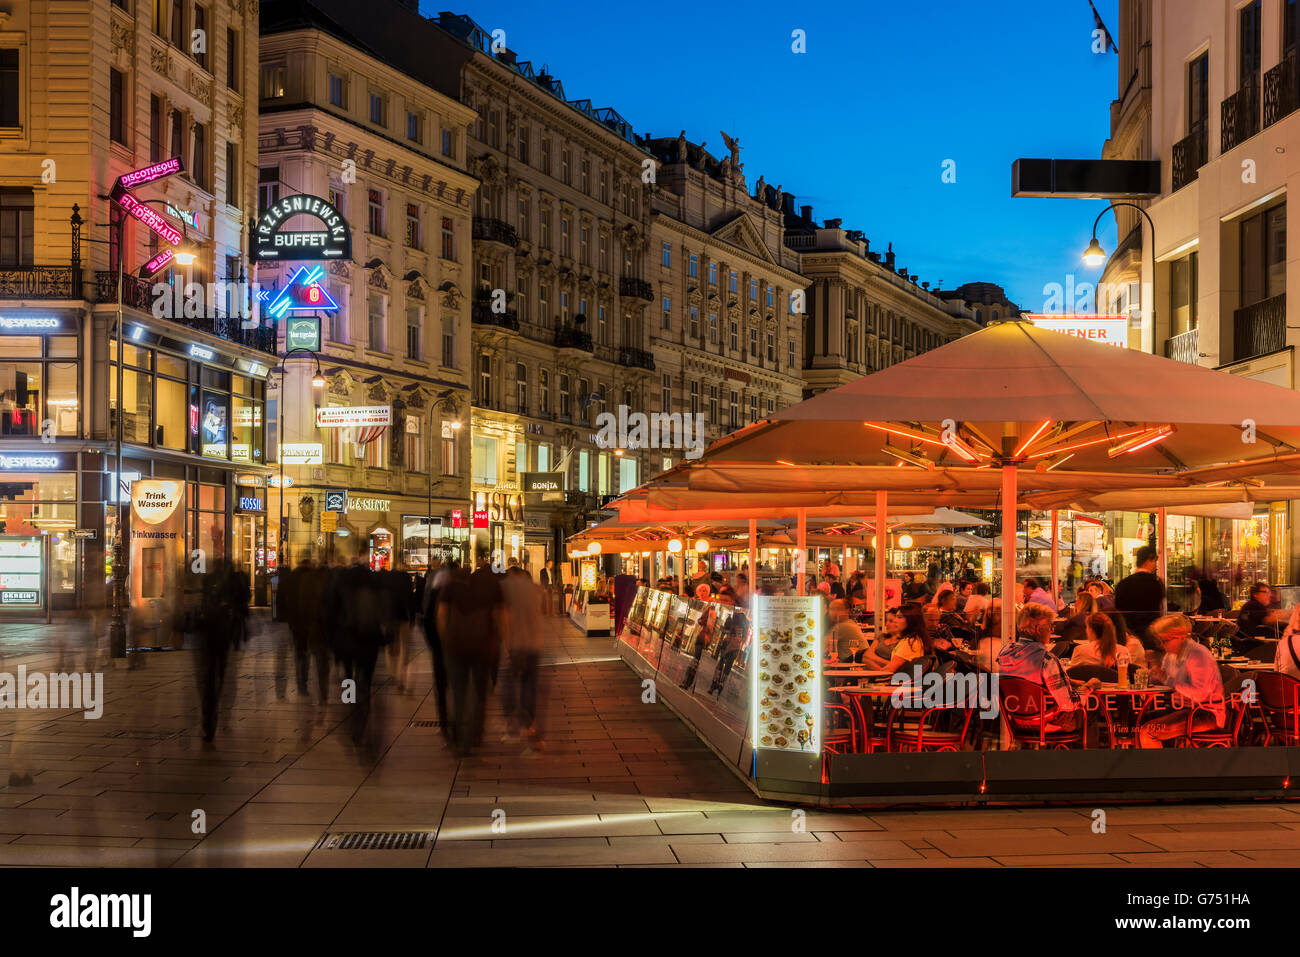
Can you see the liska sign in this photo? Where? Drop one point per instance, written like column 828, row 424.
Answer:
column 271, row 241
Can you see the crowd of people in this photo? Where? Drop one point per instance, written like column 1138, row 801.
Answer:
column 484, row 631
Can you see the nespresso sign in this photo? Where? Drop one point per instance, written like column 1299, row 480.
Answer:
column 271, row 241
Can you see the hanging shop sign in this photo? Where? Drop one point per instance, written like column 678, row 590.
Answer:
column 275, row 481
column 303, row 332
column 339, row 417
column 543, row 481
column 151, row 218
column 336, row 500
column 304, row 293
column 329, row 521
column 457, row 518
column 480, row 518
column 1105, row 330
column 272, row 241
column 368, row 504
column 302, row 453
column 149, row 174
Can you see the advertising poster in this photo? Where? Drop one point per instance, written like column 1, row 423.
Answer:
column 214, row 425
column 787, row 673
column 21, row 574
column 157, row 549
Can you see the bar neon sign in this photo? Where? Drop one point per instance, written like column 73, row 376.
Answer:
column 157, row 264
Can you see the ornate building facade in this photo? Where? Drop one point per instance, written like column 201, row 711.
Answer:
column 727, row 344
column 352, row 114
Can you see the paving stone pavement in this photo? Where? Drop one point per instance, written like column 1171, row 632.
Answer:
column 621, row 783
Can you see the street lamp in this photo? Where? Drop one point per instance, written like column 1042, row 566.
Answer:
column 1095, row 256
column 317, row 381
column 445, row 396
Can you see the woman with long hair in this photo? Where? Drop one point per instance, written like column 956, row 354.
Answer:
column 914, row 642
column 1287, row 658
column 987, row 642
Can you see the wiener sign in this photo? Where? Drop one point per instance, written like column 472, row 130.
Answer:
column 271, row 241
column 1103, row 330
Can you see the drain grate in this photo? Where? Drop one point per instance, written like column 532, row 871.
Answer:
column 425, row 724
column 375, row 841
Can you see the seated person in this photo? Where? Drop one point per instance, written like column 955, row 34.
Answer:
column 1258, row 618
column 1037, row 594
column 914, row 589
column 1103, row 647
column 1076, row 625
column 983, row 649
column 1028, row 657
column 1286, row 660
column 1102, row 594
column 964, row 593
column 914, row 641
column 977, row 605
column 1189, row 668
column 951, row 620
column 1210, row 601
column 940, row 636
column 845, row 633
column 885, row 643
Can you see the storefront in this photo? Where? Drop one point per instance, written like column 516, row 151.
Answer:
column 499, row 522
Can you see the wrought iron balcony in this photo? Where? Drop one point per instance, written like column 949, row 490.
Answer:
column 483, row 315
column 138, row 294
column 1184, row 347
column 627, row 286
column 1259, row 329
column 570, row 337
column 494, row 231
column 636, row 358
column 1241, row 115
column 1190, row 154
column 40, row 282
column 1282, row 89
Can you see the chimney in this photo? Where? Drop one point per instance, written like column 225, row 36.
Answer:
column 889, row 256
column 787, row 203
column 834, row 223
column 807, row 213
column 507, row 55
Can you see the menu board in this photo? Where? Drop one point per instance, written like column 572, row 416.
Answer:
column 21, row 561
column 787, row 670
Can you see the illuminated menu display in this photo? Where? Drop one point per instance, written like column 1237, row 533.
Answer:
column 21, row 560
column 787, row 680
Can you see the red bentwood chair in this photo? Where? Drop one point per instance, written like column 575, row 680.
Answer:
column 1278, row 696
column 1022, row 709
column 834, row 741
column 1226, row 737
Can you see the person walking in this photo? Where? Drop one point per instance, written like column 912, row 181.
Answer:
column 1140, row 597
column 523, row 641
column 223, row 624
column 289, row 611
column 362, row 605
column 434, row 581
column 470, row 613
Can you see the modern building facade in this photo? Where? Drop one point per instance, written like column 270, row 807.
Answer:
column 1212, row 89
column 354, row 116
column 89, row 92
column 727, row 343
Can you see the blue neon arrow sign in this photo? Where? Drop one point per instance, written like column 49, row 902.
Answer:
column 304, row 293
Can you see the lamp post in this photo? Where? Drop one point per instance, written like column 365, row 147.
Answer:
column 446, row 396
column 318, row 382
column 1095, row 256
column 117, row 626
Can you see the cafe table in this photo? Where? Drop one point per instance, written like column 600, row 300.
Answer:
column 1135, row 702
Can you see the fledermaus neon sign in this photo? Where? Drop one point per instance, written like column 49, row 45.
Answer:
column 272, row 241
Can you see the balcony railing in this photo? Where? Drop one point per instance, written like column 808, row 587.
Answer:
column 1184, row 347
column 494, row 231
column 1282, row 89
column 1241, row 115
column 1190, row 154
column 40, row 282
column 139, row 295
column 569, row 337
column 483, row 315
column 1259, row 329
column 636, row 358
column 627, row 286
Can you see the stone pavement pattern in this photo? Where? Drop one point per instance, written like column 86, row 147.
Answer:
column 622, row 784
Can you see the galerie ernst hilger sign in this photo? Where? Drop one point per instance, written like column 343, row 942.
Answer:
column 271, row 241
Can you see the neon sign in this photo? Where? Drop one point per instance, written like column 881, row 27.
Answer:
column 272, row 241
column 29, row 323
column 304, row 293
column 150, row 173
column 151, row 218
column 157, row 264
column 28, row 462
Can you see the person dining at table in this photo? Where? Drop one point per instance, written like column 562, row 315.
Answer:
column 977, row 605
column 1028, row 657
column 1075, row 626
column 1210, row 601
column 856, row 589
column 848, row 641
column 1286, row 660
column 1035, row 593
column 1101, row 594
column 983, row 649
column 1102, row 647
column 914, row 640
column 1191, row 672
column 1258, row 617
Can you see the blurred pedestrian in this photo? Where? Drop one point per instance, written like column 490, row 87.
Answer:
column 469, row 622
column 289, row 611
column 223, row 627
column 362, row 605
column 523, row 641
column 434, row 581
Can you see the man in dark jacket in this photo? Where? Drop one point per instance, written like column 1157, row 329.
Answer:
column 222, row 623
column 434, row 581
column 1140, row 597
column 1258, row 618
column 470, row 620
column 289, row 609
column 362, row 606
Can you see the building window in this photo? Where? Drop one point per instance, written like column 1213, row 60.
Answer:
column 232, row 174
column 375, row 222
column 602, row 326
column 771, row 347
column 521, row 388
column 413, row 126
column 771, row 297
column 695, row 398
column 693, row 269
column 200, row 27
column 734, row 280
column 414, row 451
column 492, row 125
column 733, row 407
column 338, row 91
column 753, row 343
column 713, row 274
column 413, row 226
column 565, row 409
column 667, row 254
column 448, row 448
column 178, row 24
column 485, row 379
column 1291, row 27
column 586, row 177
column 1198, row 95
column 546, row 155
column 544, row 304
column 522, row 148
column 604, row 254
column 448, row 143
column 546, row 229
column 713, row 328
column 155, row 129
column 486, row 450
column 275, row 77
column 268, row 188
column 232, row 59
column 564, row 165
column 753, row 409
column 584, row 471
column 413, row 323
column 544, row 390
column 338, row 329
column 695, row 322
column 713, row 405
column 449, row 343
column 378, row 109
column 199, row 164
column 584, row 247
column 116, row 107
column 17, row 224
column 666, row 393
column 668, row 312
column 377, row 316
column 753, row 290
column 448, row 239
column 1183, row 280
column 564, row 236
column 789, row 353
column 1250, row 48
column 604, row 187
column 1263, row 256
column 733, row 337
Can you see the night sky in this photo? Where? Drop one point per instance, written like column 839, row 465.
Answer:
column 860, row 125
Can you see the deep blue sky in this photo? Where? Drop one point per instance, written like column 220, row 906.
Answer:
column 859, row 126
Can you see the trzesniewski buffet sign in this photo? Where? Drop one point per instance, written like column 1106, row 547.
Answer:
column 271, row 241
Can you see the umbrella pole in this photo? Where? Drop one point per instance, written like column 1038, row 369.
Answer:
column 753, row 556
column 882, row 519
column 801, row 558
column 1163, row 552
column 1056, row 560
column 1008, row 552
